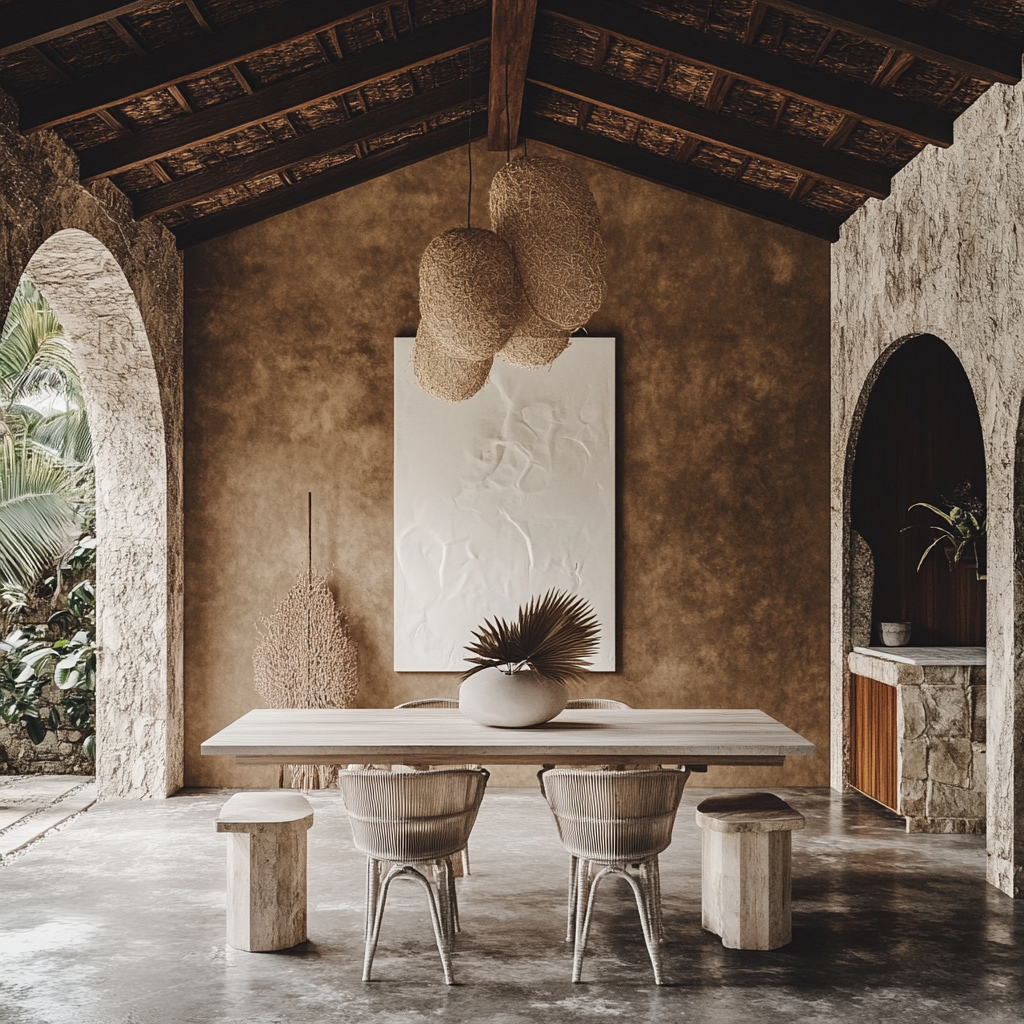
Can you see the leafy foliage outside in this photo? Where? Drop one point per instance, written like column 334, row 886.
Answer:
column 47, row 527
column 554, row 636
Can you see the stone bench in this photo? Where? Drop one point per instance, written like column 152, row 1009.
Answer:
column 746, row 870
column 266, row 868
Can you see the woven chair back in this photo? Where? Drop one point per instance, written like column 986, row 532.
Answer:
column 429, row 702
column 591, row 703
column 412, row 816
column 614, row 816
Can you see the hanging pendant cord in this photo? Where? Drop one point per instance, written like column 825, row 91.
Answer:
column 309, row 585
column 469, row 154
column 508, row 121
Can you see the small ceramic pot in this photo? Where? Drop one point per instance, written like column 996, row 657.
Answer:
column 512, row 701
column 895, row 634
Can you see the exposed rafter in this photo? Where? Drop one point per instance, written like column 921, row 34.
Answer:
column 337, row 179
column 137, row 76
column 285, row 155
column 428, row 44
column 511, row 35
column 924, row 33
column 794, row 152
column 662, row 171
column 35, row 21
column 762, row 67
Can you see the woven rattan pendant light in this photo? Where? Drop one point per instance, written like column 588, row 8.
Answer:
column 548, row 216
column 442, row 375
column 535, row 342
column 469, row 293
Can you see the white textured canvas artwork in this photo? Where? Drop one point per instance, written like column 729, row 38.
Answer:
column 501, row 497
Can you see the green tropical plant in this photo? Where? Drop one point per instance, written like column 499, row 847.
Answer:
column 964, row 523
column 31, row 659
column 554, row 636
column 46, row 457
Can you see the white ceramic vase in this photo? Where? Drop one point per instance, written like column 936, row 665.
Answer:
column 513, row 701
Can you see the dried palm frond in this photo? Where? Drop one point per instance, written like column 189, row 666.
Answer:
column 554, row 636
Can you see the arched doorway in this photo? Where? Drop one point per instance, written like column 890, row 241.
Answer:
column 138, row 718
column 920, row 440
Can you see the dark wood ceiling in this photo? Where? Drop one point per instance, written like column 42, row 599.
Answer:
column 214, row 114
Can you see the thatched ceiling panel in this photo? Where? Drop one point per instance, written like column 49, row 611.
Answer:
column 566, row 40
column 87, row 132
column 717, row 160
column 147, row 111
column 136, row 179
column 854, row 58
column 870, row 143
column 282, row 62
column 239, row 194
column 320, row 115
column 663, row 141
column 90, row 48
column 613, row 125
column 25, row 70
column 687, row 82
column 211, row 89
column 310, row 168
column 222, row 12
column 475, row 61
column 633, row 63
column 768, row 176
column 689, row 14
column 163, row 24
column 833, row 199
column 388, row 90
column 729, row 18
column 756, row 105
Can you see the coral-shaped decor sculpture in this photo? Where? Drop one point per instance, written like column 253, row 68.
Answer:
column 306, row 658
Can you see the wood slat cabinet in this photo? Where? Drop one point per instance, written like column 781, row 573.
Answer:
column 873, row 760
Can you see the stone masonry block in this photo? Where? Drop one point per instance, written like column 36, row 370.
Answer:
column 914, row 763
column 911, row 705
column 946, row 710
column 951, row 762
column 953, row 802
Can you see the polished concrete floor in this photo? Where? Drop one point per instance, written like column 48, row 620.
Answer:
column 118, row 918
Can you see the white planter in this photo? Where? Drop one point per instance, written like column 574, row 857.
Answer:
column 493, row 697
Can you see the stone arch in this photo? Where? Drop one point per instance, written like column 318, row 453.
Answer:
column 841, row 695
column 91, row 297
column 42, row 199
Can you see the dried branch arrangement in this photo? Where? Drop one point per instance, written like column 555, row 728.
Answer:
column 554, row 636
column 306, row 658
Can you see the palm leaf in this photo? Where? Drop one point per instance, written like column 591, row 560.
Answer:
column 554, row 635
column 39, row 512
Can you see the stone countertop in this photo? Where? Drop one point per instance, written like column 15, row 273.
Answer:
column 945, row 656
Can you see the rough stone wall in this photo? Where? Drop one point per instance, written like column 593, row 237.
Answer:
column 116, row 286
column 722, row 463
column 942, row 256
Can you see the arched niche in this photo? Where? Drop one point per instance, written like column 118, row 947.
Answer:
column 138, row 718
column 919, row 437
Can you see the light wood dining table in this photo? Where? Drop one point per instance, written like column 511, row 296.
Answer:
column 692, row 736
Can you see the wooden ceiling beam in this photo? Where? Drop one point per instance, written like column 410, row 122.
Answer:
column 334, row 180
column 32, row 21
column 511, row 35
column 792, row 151
column 274, row 159
column 684, row 178
column 761, row 67
column 924, row 33
column 137, row 76
column 427, row 44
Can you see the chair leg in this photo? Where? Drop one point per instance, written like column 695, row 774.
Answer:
column 643, row 889
column 438, row 910
column 453, row 896
column 586, row 889
column 372, row 893
column 465, row 860
column 381, row 891
column 570, row 928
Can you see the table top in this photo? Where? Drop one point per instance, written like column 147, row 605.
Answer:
column 445, row 736
column 940, row 656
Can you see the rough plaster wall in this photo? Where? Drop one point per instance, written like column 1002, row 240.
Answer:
column 116, row 285
column 942, row 256
column 722, row 468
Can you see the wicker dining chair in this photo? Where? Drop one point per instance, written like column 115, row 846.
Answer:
column 410, row 824
column 461, row 865
column 616, row 822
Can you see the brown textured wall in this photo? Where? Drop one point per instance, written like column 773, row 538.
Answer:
column 723, row 323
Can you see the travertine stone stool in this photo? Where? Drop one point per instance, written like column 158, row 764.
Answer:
column 266, row 869
column 746, row 869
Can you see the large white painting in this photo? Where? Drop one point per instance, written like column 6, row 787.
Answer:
column 499, row 498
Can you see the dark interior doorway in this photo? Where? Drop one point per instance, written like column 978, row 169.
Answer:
column 921, row 438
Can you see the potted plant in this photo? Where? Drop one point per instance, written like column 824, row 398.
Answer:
column 522, row 669
column 962, row 532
